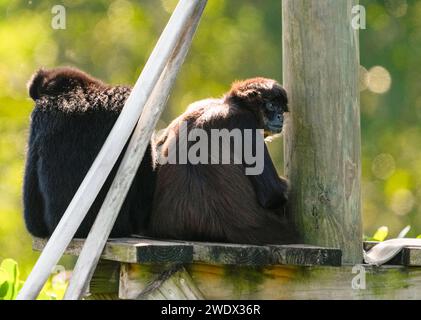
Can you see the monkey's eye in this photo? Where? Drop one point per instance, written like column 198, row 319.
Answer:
column 270, row 106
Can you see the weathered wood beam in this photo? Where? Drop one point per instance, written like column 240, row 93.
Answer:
column 322, row 132
column 148, row 251
column 285, row 282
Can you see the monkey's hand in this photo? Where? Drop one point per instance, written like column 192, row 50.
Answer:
column 274, row 194
column 279, row 195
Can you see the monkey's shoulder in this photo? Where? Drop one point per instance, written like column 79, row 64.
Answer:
column 205, row 104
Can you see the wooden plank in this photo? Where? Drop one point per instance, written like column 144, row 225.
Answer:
column 150, row 251
column 283, row 282
column 265, row 255
column 322, row 130
column 133, row 250
column 306, row 255
column 411, row 256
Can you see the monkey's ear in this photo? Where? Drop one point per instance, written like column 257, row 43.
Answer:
column 36, row 84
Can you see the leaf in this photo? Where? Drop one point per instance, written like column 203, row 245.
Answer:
column 404, row 232
column 381, row 234
column 419, row 236
column 10, row 266
column 4, row 283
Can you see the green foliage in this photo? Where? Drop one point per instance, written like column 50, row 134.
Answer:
column 10, row 283
column 9, row 279
column 390, row 121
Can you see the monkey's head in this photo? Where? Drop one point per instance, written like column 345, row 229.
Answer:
column 58, row 81
column 266, row 98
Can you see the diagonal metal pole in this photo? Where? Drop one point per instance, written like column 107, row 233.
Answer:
column 110, row 151
column 104, row 222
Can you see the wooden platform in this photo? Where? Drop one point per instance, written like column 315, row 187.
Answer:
column 149, row 251
column 227, row 271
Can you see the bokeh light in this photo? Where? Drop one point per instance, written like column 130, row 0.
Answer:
column 383, row 166
column 402, row 202
column 379, row 80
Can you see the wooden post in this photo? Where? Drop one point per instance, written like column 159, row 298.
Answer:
column 322, row 134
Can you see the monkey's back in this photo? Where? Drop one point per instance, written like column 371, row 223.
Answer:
column 200, row 202
column 66, row 151
column 69, row 125
column 210, row 202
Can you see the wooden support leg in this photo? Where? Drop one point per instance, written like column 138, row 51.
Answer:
column 105, row 281
column 171, row 282
column 174, row 283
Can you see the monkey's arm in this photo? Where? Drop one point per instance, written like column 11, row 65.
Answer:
column 32, row 198
column 271, row 190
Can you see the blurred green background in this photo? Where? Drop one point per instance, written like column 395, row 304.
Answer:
column 236, row 39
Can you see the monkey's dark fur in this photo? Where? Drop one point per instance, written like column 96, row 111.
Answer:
column 73, row 115
column 208, row 202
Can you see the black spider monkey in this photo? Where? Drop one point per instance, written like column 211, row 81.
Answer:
column 73, row 115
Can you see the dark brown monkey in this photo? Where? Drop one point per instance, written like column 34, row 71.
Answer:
column 73, row 116
column 219, row 202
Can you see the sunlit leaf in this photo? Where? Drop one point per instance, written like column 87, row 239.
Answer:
column 5, row 282
column 381, row 234
column 10, row 266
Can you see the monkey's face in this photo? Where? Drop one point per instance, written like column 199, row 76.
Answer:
column 273, row 117
column 274, row 105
